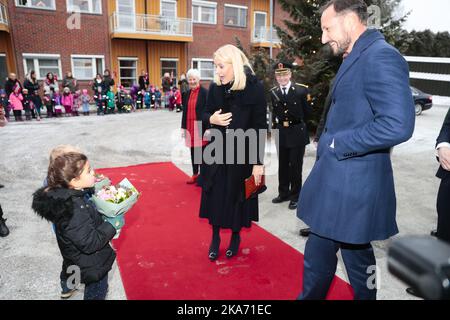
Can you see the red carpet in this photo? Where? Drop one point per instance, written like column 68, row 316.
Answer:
column 163, row 248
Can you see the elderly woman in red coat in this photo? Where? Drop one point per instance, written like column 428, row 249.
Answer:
column 194, row 102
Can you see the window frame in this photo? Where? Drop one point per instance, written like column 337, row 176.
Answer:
column 201, row 4
column 68, row 6
column 132, row 16
column 3, row 55
column 177, row 67
column 43, row 56
column 226, row 5
column 254, row 22
column 3, row 14
column 135, row 59
column 176, row 8
column 29, row 6
column 94, row 63
column 198, row 60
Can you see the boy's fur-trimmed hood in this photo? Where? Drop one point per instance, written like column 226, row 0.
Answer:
column 55, row 204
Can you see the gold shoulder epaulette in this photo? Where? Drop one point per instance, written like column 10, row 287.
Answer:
column 303, row 85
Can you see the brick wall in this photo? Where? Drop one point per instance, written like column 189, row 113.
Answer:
column 208, row 38
column 45, row 31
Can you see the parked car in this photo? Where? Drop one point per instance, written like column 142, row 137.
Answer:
column 423, row 101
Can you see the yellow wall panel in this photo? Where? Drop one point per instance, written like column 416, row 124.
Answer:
column 153, row 7
column 156, row 51
column 6, row 48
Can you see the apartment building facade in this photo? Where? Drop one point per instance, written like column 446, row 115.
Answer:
column 128, row 36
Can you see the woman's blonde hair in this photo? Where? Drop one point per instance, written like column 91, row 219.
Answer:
column 233, row 55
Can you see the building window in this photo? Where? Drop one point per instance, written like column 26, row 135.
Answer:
column 43, row 64
column 37, row 4
column 206, row 68
column 85, row 6
column 170, row 66
column 128, row 71
column 3, row 67
column 235, row 16
column 260, row 26
column 3, row 16
column 204, row 12
column 86, row 67
column 169, row 8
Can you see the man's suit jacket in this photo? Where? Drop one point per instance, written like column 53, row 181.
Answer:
column 444, row 136
column 349, row 195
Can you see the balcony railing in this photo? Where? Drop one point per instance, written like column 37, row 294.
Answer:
column 150, row 24
column 263, row 35
column 3, row 15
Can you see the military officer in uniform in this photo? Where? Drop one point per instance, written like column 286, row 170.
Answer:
column 290, row 102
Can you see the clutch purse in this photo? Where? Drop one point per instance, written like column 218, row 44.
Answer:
column 251, row 189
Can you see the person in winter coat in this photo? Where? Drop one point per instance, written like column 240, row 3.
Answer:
column 27, row 104
column 48, row 101
column 51, row 81
column 158, row 97
column 56, row 99
column 85, row 100
column 11, row 83
column 194, row 102
column 32, row 84
column 108, row 80
column 67, row 101
column 99, row 82
column 70, row 82
column 177, row 98
column 15, row 100
column 82, row 234
column 4, row 104
column 143, row 81
column 235, row 103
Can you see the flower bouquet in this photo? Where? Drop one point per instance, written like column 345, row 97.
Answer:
column 101, row 181
column 114, row 201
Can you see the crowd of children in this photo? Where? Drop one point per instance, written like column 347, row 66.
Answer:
column 21, row 102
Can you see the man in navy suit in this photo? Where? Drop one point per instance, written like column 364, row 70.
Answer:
column 443, row 199
column 348, row 199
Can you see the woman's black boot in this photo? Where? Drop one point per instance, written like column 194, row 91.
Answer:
column 215, row 244
column 234, row 245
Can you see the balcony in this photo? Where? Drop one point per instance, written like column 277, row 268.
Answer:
column 261, row 38
column 150, row 27
column 4, row 24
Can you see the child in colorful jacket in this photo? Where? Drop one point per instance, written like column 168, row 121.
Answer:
column 15, row 100
column 56, row 99
column 157, row 98
column 85, row 100
column 110, row 101
column 27, row 103
column 67, row 101
column 4, row 103
column 100, row 100
column 76, row 103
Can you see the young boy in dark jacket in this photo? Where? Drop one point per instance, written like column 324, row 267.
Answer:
column 83, row 237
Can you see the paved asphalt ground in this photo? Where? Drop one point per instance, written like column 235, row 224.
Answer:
column 29, row 258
